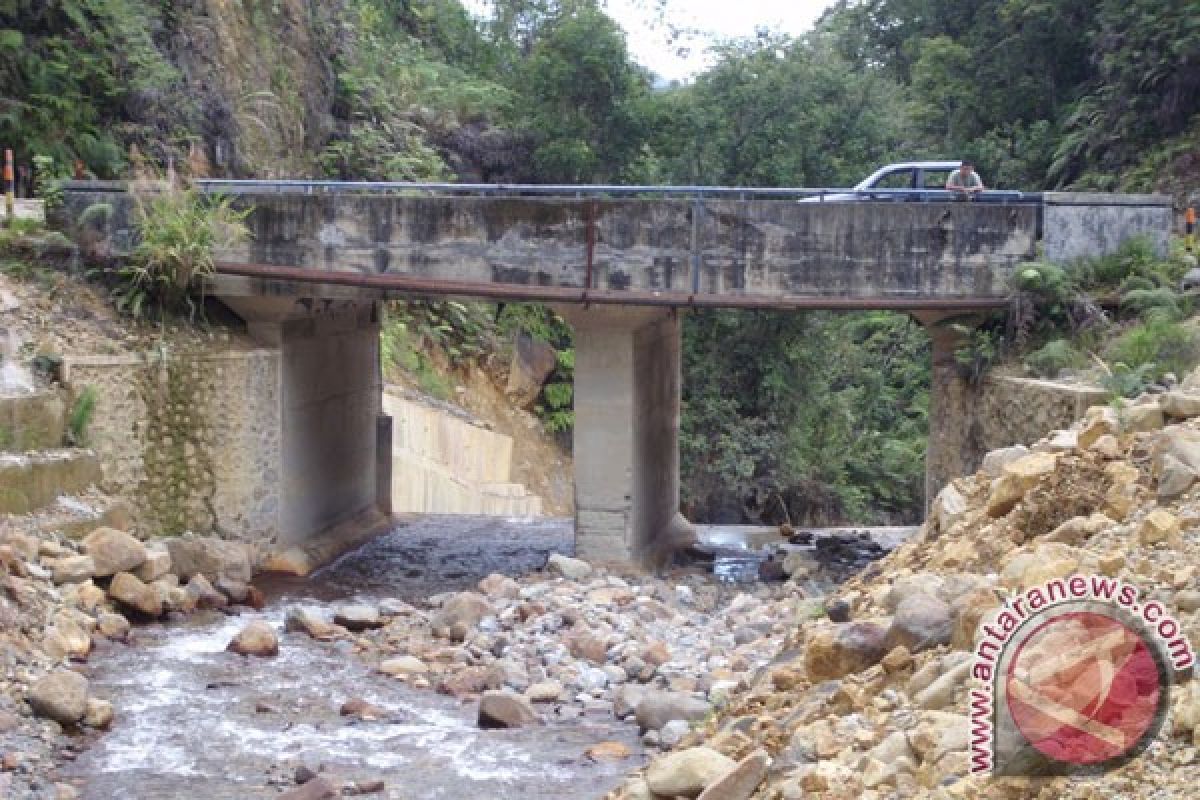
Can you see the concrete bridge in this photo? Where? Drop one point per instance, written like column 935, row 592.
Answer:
column 622, row 264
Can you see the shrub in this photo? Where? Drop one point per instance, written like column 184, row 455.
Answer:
column 80, row 418
column 1053, row 357
column 1163, row 302
column 178, row 232
column 1160, row 344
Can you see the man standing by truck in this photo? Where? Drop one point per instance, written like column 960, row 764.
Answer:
column 965, row 181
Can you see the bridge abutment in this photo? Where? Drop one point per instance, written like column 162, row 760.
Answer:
column 627, row 394
column 947, row 453
column 335, row 441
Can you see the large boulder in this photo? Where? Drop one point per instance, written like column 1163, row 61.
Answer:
column 687, row 772
column 113, row 551
column 256, row 639
column 1016, row 479
column 844, row 648
column 209, row 556
column 506, row 709
column 741, row 781
column 921, row 621
column 532, row 362
column 130, row 592
column 61, row 696
column 656, row 708
column 357, row 617
column 72, row 569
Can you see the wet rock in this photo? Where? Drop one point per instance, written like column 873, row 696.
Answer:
column 114, row 551
column 359, row 788
column 113, row 626
column 687, row 772
column 571, row 568
column 500, row 587
column 357, row 617
column 360, row 709
column 303, row 620
column 234, row 591
column 608, row 751
column 843, row 649
column 921, row 622
column 99, row 714
column 740, row 782
column 61, row 696
column 208, row 556
column 657, row 708
column 403, row 666
column 319, row 788
column 72, row 569
column 127, row 590
column 256, row 639
column 505, row 709
column 203, row 595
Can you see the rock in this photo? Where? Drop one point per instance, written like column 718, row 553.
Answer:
column 938, row 733
column 969, row 611
column 500, row 587
column 360, row 709
column 234, row 591
column 1078, row 530
column 532, row 362
column 319, row 788
column 626, row 699
column 1181, row 405
column 132, row 593
column 656, row 654
column 463, row 609
column 99, row 714
column 364, row 787
column 1017, row 478
column 66, row 638
column 1107, row 447
column 357, row 617
column 1142, row 418
column 302, row 620
column 61, row 696
column 256, row 639
column 740, row 782
column 505, row 709
column 687, row 772
column 898, row 659
column 202, row 594
column 940, row 693
column 921, row 622
column 209, row 556
column 1174, row 477
column 72, row 569
column 114, row 551
column 545, row 692
column 948, row 508
column 589, row 646
column 844, row 648
column 403, row 666
column 156, row 565
column 469, row 681
column 1188, row 601
column 657, row 708
column 672, row 733
column 608, row 751
column 113, row 626
column 994, row 462
column 571, row 568
column 1160, row 526
column 1098, row 422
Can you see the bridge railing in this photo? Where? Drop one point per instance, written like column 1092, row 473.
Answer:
column 600, row 191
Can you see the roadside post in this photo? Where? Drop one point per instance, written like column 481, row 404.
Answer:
column 10, row 198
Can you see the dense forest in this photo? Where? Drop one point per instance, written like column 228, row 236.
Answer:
column 811, row 417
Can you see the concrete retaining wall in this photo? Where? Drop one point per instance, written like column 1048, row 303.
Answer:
column 442, row 464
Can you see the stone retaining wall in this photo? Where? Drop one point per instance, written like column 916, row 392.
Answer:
column 192, row 441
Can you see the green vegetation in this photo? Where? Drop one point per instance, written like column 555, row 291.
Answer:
column 178, row 231
column 80, row 417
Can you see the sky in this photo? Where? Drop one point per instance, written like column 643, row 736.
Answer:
column 649, row 37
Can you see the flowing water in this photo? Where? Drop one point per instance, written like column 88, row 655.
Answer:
column 196, row 722
column 193, row 721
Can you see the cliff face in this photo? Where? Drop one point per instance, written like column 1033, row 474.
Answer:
column 261, row 75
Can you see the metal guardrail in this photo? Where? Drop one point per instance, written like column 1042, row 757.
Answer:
column 315, row 187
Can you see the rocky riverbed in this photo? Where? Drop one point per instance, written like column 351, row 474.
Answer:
column 415, row 667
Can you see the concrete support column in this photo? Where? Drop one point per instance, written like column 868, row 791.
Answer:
column 948, row 453
column 627, row 381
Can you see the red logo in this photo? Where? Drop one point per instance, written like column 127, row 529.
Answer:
column 1083, row 688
